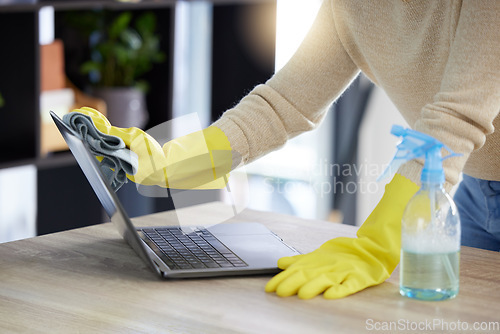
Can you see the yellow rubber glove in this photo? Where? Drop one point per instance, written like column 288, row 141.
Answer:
column 343, row 266
column 199, row 160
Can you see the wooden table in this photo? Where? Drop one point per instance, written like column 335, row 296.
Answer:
column 89, row 281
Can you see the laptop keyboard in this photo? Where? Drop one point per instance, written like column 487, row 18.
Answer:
column 196, row 250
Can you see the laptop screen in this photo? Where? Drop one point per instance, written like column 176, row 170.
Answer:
column 89, row 165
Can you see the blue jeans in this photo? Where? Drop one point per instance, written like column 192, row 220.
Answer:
column 478, row 203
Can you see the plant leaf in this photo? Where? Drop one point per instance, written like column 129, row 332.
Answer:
column 120, row 52
column 119, row 24
column 146, row 24
column 89, row 66
column 131, row 39
column 122, row 55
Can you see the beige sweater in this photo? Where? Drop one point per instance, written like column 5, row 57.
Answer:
column 438, row 61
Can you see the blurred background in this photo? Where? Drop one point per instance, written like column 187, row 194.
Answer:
column 183, row 58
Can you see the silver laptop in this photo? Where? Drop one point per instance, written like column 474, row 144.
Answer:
column 225, row 249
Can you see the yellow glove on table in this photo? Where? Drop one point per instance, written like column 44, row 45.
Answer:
column 199, row 160
column 343, row 266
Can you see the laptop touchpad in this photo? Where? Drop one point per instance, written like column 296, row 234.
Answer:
column 257, row 250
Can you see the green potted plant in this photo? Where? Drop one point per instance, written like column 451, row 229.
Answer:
column 2, row 101
column 122, row 49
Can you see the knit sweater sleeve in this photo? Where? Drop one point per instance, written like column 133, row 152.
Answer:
column 296, row 98
column 461, row 114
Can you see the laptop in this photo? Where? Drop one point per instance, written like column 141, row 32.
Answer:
column 225, row 249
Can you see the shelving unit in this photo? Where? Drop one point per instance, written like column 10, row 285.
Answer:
column 65, row 200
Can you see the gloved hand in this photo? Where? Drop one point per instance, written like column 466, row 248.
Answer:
column 343, row 266
column 199, row 160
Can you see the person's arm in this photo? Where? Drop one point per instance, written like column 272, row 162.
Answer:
column 460, row 116
column 293, row 101
column 296, row 98
column 462, row 113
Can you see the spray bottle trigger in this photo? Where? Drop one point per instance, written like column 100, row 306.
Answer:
column 451, row 155
column 391, row 169
column 398, row 130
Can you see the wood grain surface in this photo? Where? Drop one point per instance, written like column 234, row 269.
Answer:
column 89, row 281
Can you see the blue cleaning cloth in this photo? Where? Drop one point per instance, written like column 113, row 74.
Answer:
column 117, row 160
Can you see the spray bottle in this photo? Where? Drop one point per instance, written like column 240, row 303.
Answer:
column 430, row 231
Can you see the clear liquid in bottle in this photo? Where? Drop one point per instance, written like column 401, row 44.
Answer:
column 430, row 246
column 432, row 276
